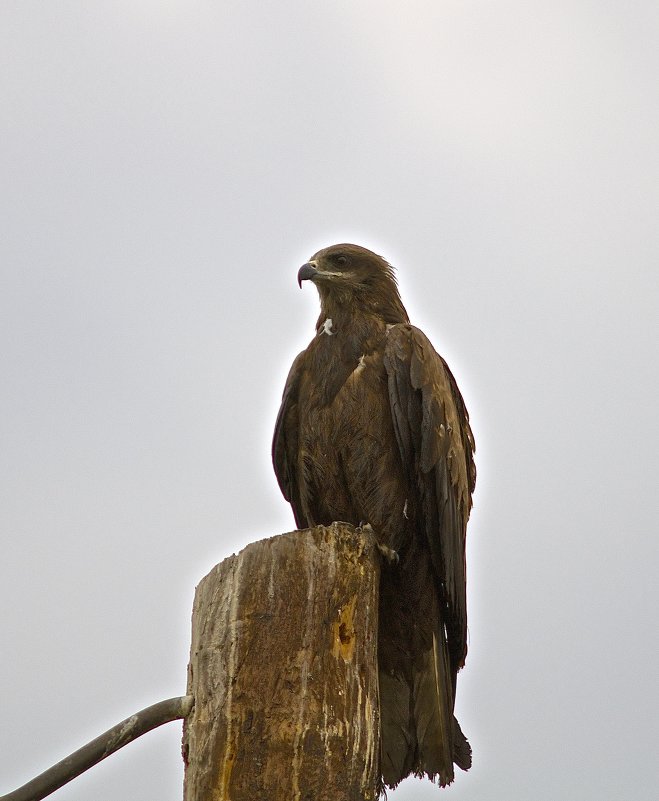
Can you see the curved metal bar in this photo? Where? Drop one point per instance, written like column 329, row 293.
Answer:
column 112, row 740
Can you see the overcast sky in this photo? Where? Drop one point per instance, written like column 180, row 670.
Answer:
column 166, row 168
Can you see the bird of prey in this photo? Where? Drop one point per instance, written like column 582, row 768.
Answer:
column 373, row 429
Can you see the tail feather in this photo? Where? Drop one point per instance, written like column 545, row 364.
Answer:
column 419, row 734
column 461, row 747
column 432, row 709
column 397, row 737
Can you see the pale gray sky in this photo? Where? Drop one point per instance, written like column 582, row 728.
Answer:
column 166, row 168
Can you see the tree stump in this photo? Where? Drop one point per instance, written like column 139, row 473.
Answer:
column 283, row 669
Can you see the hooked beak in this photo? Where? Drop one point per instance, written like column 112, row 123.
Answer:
column 307, row 271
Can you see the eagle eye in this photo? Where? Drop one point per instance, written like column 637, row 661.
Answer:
column 341, row 260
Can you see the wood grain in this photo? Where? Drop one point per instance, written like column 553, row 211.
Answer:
column 283, row 669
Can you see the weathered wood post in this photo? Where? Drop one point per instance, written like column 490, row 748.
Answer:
column 283, row 669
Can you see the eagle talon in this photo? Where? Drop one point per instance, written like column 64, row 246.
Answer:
column 390, row 556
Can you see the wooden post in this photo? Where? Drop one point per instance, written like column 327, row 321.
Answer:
column 283, row 669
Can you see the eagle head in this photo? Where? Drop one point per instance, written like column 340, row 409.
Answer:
column 353, row 277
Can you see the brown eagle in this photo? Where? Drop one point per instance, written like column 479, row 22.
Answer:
column 373, row 429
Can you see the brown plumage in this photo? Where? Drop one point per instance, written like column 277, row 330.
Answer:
column 373, row 429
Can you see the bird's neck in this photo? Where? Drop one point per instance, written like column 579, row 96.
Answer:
column 348, row 333
column 361, row 317
column 346, row 320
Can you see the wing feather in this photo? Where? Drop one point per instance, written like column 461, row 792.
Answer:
column 285, row 440
column 436, row 447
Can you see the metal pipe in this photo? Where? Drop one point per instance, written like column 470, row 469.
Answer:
column 112, row 740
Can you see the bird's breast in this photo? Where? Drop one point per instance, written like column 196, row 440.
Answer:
column 350, row 464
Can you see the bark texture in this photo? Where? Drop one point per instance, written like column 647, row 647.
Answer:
column 283, row 669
